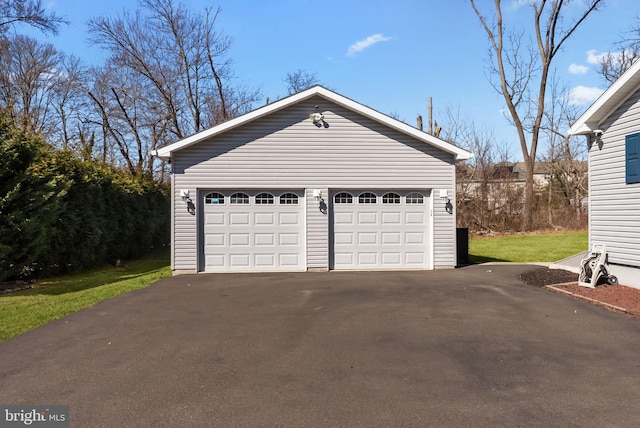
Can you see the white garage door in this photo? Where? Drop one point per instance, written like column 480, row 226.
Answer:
column 380, row 230
column 253, row 231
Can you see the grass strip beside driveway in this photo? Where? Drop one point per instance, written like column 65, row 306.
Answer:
column 543, row 247
column 57, row 297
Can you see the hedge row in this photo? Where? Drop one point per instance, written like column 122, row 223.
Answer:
column 59, row 213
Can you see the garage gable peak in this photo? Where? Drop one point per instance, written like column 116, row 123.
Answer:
column 166, row 152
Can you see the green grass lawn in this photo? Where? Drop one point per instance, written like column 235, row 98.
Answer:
column 547, row 247
column 54, row 298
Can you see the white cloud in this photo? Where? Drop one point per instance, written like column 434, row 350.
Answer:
column 582, row 95
column 578, row 69
column 517, row 4
column 361, row 45
column 593, row 58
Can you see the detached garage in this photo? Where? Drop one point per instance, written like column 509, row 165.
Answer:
column 315, row 181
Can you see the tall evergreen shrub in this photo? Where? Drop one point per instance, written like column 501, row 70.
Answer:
column 59, row 213
column 29, row 202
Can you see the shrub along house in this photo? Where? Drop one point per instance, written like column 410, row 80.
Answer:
column 612, row 128
column 315, row 181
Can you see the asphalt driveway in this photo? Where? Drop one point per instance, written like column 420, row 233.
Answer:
column 466, row 347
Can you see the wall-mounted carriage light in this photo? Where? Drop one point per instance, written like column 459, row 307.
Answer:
column 317, row 195
column 186, row 197
column 444, row 196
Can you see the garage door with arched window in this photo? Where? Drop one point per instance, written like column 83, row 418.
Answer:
column 380, row 230
column 252, row 231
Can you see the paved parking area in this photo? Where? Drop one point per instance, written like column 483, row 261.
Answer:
column 465, row 347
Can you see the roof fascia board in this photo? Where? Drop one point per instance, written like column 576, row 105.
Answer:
column 602, row 108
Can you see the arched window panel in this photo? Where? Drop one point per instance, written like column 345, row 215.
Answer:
column 264, row 199
column 239, row 199
column 415, row 198
column 367, row 198
column 391, row 198
column 214, row 198
column 288, row 199
column 343, row 198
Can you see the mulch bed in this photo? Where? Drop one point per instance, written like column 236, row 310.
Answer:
column 614, row 297
column 9, row 287
column 540, row 277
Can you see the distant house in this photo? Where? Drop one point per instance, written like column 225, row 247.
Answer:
column 499, row 184
column 612, row 128
column 315, row 181
column 543, row 171
column 515, row 173
column 496, row 188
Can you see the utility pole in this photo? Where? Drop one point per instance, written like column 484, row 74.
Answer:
column 430, row 110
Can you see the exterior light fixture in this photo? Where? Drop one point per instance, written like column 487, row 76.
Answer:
column 317, row 118
column 186, row 197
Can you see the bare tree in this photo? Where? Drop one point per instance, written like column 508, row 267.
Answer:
column 488, row 194
column 30, row 12
column 168, row 77
column 300, row 80
column 44, row 91
column 29, row 77
column 613, row 64
column 70, row 105
column 130, row 116
column 522, row 71
column 565, row 156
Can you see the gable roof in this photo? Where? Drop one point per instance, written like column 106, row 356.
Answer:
column 459, row 154
column 604, row 106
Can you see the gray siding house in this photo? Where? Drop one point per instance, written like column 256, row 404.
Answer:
column 612, row 128
column 315, row 181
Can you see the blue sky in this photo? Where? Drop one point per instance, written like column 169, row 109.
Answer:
column 390, row 55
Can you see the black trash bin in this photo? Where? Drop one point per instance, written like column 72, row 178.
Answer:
column 462, row 245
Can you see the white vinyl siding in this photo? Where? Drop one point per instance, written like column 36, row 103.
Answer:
column 317, row 231
column 285, row 150
column 614, row 205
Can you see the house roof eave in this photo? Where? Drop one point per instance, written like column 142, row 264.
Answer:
column 610, row 99
column 583, row 128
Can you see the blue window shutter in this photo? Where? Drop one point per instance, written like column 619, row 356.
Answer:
column 633, row 158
